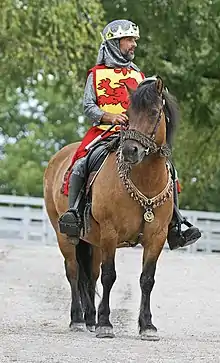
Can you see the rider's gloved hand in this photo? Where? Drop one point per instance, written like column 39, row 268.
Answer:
column 119, row 119
column 116, row 119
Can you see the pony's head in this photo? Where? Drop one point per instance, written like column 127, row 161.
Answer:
column 153, row 115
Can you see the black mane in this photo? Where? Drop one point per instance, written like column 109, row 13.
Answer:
column 146, row 97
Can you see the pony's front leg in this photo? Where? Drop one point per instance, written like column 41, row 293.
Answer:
column 150, row 256
column 104, row 328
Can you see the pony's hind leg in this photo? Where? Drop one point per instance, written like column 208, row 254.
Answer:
column 108, row 276
column 89, row 259
column 71, row 266
column 150, row 256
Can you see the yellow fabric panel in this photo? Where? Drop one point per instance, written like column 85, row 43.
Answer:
column 105, row 127
column 111, row 82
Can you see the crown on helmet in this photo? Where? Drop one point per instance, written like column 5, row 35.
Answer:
column 119, row 29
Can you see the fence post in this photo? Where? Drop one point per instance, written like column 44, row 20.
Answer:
column 26, row 223
column 208, row 248
column 45, row 225
column 193, row 248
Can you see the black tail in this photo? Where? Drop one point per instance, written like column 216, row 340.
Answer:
column 86, row 283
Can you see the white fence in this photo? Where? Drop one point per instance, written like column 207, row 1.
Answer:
column 25, row 219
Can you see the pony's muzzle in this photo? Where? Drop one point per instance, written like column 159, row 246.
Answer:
column 131, row 153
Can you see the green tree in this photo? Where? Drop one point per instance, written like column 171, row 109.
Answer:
column 52, row 36
column 46, row 49
column 36, row 124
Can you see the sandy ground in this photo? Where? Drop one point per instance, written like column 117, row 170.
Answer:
column 35, row 302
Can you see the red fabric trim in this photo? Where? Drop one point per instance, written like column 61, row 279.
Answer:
column 93, row 71
column 143, row 76
column 179, row 189
column 100, row 66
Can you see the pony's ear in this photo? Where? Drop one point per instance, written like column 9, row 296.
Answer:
column 159, row 85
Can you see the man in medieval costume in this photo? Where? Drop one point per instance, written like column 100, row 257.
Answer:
column 105, row 103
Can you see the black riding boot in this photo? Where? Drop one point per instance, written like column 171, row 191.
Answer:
column 177, row 238
column 70, row 222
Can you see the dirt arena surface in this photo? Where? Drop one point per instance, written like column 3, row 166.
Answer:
column 35, row 303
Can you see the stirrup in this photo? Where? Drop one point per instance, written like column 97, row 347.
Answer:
column 70, row 223
column 191, row 235
column 176, row 238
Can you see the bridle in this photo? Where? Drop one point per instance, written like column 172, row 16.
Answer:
column 124, row 168
column 153, row 134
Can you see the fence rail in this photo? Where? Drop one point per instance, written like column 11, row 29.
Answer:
column 25, row 219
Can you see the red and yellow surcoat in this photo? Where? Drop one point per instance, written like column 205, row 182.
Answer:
column 110, row 87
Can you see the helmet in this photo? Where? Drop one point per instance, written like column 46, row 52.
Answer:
column 119, row 29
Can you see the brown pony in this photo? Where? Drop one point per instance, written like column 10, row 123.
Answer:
column 131, row 199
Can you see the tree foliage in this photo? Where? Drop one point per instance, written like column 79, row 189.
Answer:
column 36, row 124
column 52, row 36
column 46, row 49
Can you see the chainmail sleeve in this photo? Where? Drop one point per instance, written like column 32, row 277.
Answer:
column 91, row 110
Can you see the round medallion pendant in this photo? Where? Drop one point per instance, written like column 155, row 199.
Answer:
column 149, row 216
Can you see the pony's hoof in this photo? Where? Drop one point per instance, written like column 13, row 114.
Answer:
column 91, row 328
column 149, row 334
column 104, row 332
column 77, row 327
